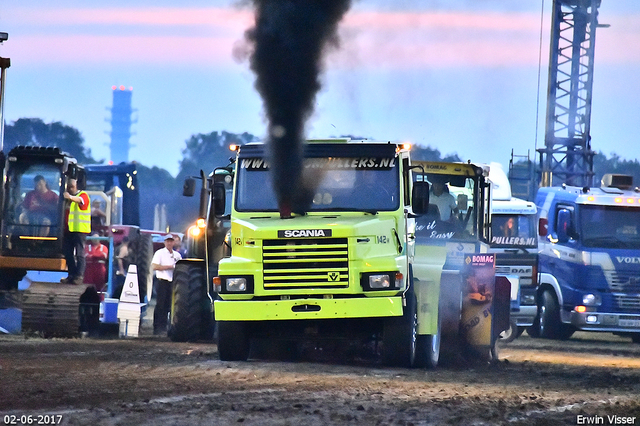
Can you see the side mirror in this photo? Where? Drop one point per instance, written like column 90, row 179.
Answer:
column 72, row 171
column 81, row 179
column 189, row 187
column 420, row 197
column 219, row 198
column 563, row 225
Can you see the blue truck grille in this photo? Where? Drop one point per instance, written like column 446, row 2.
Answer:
column 627, row 303
column 305, row 263
column 624, row 282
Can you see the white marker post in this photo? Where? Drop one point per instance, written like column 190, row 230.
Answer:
column 129, row 305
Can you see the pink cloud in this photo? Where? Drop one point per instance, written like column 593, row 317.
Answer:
column 369, row 39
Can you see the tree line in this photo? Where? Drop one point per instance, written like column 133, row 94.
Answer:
column 206, row 152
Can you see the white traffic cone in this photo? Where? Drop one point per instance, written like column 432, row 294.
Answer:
column 129, row 305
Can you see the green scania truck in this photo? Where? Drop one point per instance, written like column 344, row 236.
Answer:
column 342, row 268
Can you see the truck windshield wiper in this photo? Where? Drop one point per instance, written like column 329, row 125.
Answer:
column 352, row 209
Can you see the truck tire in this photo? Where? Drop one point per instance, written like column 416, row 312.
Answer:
column 428, row 348
column 635, row 337
column 510, row 334
column 233, row 341
column 549, row 324
column 399, row 336
column 534, row 329
column 142, row 254
column 191, row 317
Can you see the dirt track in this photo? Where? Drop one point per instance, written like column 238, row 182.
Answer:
column 151, row 381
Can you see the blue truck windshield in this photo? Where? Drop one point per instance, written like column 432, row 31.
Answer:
column 610, row 226
column 333, row 184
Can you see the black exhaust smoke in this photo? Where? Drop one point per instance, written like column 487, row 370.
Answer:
column 289, row 39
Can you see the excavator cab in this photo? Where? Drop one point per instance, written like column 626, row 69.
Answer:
column 33, row 211
column 32, row 231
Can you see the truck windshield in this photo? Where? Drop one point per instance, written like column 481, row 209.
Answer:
column 513, row 230
column 610, row 226
column 333, row 184
column 33, row 200
column 452, row 208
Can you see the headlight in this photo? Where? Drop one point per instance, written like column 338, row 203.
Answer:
column 392, row 280
column 592, row 299
column 379, row 281
column 528, row 299
column 226, row 284
column 236, row 284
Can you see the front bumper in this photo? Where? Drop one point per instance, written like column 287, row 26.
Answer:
column 525, row 316
column 601, row 321
column 296, row 309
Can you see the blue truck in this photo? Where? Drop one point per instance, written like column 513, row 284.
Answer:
column 589, row 264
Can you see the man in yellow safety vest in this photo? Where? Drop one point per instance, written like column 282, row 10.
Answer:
column 78, row 225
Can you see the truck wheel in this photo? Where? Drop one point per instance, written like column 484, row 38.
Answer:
column 191, row 307
column 635, row 337
column 549, row 324
column 142, row 255
column 399, row 336
column 428, row 349
column 510, row 334
column 233, row 341
column 534, row 329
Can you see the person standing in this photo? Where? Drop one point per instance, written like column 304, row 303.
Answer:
column 78, row 225
column 177, row 246
column 97, row 255
column 163, row 262
column 123, row 261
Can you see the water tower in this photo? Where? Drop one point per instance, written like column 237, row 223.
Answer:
column 121, row 124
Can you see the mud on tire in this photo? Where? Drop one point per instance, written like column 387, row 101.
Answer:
column 191, row 317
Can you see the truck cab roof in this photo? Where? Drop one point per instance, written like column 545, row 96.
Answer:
column 513, row 206
column 607, row 196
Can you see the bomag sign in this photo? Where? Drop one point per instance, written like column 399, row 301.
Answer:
column 304, row 233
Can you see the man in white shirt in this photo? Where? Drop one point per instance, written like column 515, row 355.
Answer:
column 443, row 199
column 164, row 262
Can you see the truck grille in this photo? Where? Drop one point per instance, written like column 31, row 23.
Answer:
column 525, row 276
column 627, row 303
column 305, row 263
column 623, row 282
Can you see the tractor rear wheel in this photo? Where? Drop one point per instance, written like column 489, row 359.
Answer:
column 191, row 317
column 142, row 253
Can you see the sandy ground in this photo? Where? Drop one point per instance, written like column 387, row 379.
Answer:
column 151, row 380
